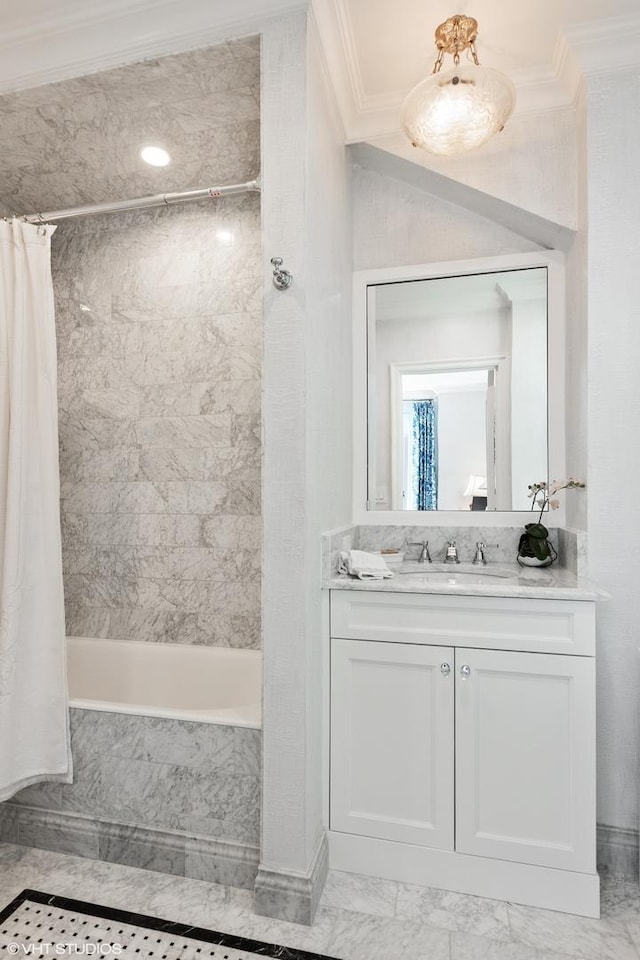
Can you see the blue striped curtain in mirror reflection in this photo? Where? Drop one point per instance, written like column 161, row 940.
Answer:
column 425, row 455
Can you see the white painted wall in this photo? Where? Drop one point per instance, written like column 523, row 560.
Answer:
column 395, row 224
column 528, row 398
column 577, row 337
column 283, row 112
column 613, row 147
column 461, row 446
column 328, row 373
column 307, row 423
column 531, row 163
column 476, row 335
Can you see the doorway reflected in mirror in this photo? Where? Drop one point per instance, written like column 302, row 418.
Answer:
column 457, row 386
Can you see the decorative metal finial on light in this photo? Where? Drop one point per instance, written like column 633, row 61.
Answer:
column 459, row 109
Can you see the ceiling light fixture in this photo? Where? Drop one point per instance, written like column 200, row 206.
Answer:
column 155, row 156
column 457, row 110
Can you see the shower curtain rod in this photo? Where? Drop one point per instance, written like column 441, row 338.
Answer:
column 155, row 200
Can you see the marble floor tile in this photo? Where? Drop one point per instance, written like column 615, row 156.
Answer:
column 605, row 939
column 358, row 936
column 186, row 901
column 454, row 911
column 464, row 946
column 350, row 891
column 633, row 926
column 110, row 884
column 239, row 918
column 354, row 919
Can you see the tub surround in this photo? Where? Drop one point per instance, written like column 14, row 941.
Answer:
column 179, row 792
column 160, row 393
column 197, row 783
column 159, row 338
column 78, row 140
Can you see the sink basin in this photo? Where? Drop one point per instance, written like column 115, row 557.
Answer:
column 463, row 573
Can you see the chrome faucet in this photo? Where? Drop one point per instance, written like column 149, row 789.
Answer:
column 451, row 553
column 480, row 558
column 425, row 556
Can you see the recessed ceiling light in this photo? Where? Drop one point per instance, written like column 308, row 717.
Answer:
column 155, row 156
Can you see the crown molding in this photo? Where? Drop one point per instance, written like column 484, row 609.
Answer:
column 334, row 37
column 69, row 45
column 606, row 46
column 368, row 117
column 325, row 67
column 68, row 18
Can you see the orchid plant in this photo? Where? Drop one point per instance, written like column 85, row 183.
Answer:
column 534, row 546
column 545, row 498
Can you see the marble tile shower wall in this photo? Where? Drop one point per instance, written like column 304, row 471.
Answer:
column 159, row 360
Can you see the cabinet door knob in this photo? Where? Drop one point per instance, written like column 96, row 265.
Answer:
column 445, row 669
column 465, row 671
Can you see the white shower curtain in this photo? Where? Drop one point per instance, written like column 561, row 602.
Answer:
column 34, row 716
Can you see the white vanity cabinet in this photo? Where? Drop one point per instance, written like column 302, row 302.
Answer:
column 462, row 744
column 392, row 741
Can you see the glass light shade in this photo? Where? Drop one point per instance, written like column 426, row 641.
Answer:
column 458, row 109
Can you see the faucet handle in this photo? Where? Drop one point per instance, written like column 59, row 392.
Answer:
column 424, row 553
column 480, row 549
column 451, row 553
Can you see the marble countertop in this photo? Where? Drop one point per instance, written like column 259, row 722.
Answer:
column 548, row 583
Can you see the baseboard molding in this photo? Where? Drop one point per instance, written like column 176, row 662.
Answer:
column 547, row 887
column 224, row 861
column 289, row 895
column 280, row 894
column 618, row 850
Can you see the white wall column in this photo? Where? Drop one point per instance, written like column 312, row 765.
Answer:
column 307, row 448
column 613, row 147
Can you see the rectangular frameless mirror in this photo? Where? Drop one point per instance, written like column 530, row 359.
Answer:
column 457, row 391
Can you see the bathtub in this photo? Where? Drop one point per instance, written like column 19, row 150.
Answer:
column 175, row 681
column 167, row 748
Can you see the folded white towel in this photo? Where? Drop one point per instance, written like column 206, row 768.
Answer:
column 365, row 566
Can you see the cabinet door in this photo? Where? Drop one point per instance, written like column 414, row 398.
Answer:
column 525, row 758
column 392, row 763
